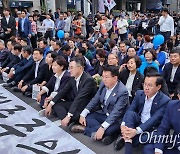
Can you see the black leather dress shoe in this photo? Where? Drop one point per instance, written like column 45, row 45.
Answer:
column 15, row 89
column 28, row 94
column 7, row 85
column 77, row 128
column 119, row 143
column 108, row 140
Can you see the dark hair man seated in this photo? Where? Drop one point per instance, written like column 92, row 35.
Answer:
column 171, row 71
column 145, row 113
column 19, row 70
column 79, row 90
column 168, row 122
column 112, row 97
column 36, row 75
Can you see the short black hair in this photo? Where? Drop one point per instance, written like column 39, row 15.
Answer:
column 175, row 50
column 66, row 47
column 113, row 69
column 44, row 41
column 165, row 10
column 40, row 50
column 60, row 60
column 53, row 54
column 18, row 47
column 79, row 60
column 150, row 69
column 137, row 60
column 58, row 43
column 24, row 39
column 27, row 49
column 159, row 81
column 82, row 50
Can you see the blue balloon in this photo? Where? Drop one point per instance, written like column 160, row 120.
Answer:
column 158, row 40
column 60, row 34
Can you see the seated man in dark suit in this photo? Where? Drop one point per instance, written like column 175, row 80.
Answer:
column 4, row 52
column 171, row 71
column 36, row 75
column 18, row 71
column 112, row 97
column 145, row 112
column 168, row 122
column 13, row 58
column 79, row 91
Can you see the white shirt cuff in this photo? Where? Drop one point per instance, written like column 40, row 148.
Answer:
column 12, row 69
column 45, row 89
column 69, row 114
column 123, row 123
column 7, row 68
column 139, row 130
column 53, row 94
column 13, row 72
column 105, row 125
column 158, row 150
column 84, row 113
column 52, row 103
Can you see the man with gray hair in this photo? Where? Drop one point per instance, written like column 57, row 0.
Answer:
column 3, row 52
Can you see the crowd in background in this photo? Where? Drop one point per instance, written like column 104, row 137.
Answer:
column 101, row 52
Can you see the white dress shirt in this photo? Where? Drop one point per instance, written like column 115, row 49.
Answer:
column 122, row 26
column 77, row 81
column 166, row 24
column 129, row 83
column 36, row 69
column 48, row 24
column 57, row 84
column 174, row 69
column 7, row 19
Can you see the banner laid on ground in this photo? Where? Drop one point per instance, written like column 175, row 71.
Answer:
column 23, row 131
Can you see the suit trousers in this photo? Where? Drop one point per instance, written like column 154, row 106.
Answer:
column 132, row 120
column 94, row 121
column 61, row 109
column 149, row 149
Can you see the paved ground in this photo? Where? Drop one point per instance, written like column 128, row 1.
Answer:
column 97, row 147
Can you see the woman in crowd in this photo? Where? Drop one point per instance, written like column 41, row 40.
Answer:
column 161, row 57
column 130, row 77
column 49, row 60
column 150, row 57
column 56, row 83
column 100, row 62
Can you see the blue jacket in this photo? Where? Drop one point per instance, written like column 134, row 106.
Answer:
column 170, row 121
column 24, row 65
column 116, row 104
column 27, row 26
column 158, row 108
column 145, row 64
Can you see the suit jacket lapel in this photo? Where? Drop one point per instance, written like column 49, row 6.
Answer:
column 155, row 103
column 142, row 102
column 113, row 93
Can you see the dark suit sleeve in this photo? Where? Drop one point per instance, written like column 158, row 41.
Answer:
column 13, row 26
column 82, row 94
column 29, row 27
column 154, row 120
column 15, row 60
column 41, row 75
column 3, row 56
column 30, row 74
column 165, row 126
column 5, row 63
column 63, row 92
column 164, row 73
column 19, row 26
column 21, row 69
